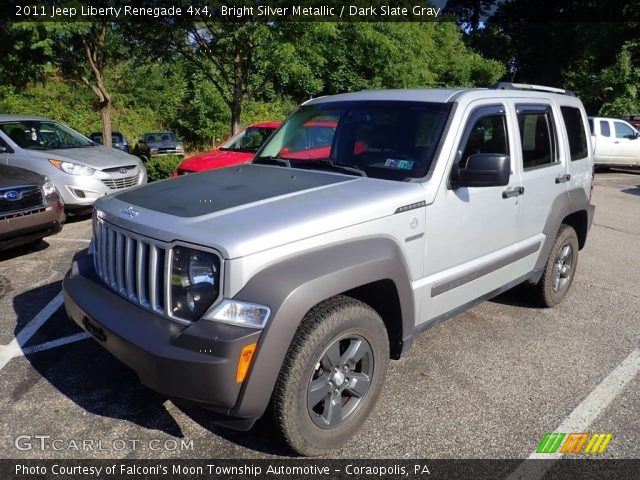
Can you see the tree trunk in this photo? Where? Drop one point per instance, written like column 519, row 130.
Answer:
column 236, row 111
column 105, row 120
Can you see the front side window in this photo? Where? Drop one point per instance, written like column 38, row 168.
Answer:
column 623, row 130
column 605, row 131
column 249, row 140
column 575, row 132
column 44, row 135
column 382, row 139
column 487, row 135
column 537, row 135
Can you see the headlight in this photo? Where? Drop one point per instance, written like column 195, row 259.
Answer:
column 48, row 188
column 195, row 282
column 72, row 168
column 240, row 313
column 153, row 150
column 179, row 148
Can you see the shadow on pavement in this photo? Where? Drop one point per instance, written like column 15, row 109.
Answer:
column 632, row 190
column 263, row 437
column 86, row 373
column 518, row 296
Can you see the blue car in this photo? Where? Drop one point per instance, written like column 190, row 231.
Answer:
column 117, row 140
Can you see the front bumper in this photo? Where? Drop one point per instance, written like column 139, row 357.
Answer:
column 78, row 191
column 24, row 227
column 197, row 362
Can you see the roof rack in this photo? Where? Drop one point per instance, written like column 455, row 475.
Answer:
column 526, row 86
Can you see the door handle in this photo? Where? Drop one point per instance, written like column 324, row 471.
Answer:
column 563, row 178
column 513, row 192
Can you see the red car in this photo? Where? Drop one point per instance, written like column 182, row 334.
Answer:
column 240, row 148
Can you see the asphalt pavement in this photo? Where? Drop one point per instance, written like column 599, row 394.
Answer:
column 489, row 383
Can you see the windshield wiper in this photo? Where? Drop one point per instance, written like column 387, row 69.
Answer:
column 272, row 160
column 344, row 167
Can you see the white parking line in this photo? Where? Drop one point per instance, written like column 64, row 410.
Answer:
column 55, row 343
column 584, row 414
column 15, row 347
column 64, row 239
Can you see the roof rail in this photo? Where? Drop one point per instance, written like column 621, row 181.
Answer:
column 526, row 86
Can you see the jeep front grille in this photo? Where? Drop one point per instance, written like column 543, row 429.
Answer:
column 134, row 266
column 118, row 183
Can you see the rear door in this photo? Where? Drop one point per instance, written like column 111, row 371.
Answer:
column 545, row 173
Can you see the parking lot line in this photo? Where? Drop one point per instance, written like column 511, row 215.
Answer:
column 64, row 239
column 15, row 347
column 55, row 343
column 584, row 414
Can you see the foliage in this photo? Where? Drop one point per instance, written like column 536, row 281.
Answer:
column 162, row 166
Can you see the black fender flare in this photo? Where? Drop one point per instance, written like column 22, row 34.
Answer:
column 292, row 287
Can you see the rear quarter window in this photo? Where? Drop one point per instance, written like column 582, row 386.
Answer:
column 575, row 132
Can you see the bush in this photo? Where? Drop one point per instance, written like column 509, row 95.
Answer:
column 162, row 167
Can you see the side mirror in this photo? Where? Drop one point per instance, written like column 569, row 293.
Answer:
column 483, row 170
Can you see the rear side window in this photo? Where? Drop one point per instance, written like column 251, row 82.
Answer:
column 605, row 131
column 537, row 135
column 575, row 132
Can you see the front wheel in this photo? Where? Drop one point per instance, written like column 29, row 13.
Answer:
column 332, row 376
column 560, row 268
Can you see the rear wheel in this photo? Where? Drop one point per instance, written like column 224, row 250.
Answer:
column 560, row 268
column 332, row 376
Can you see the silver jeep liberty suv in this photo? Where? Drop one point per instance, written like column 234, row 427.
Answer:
column 288, row 284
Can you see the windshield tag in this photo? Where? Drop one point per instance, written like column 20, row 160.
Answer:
column 399, row 164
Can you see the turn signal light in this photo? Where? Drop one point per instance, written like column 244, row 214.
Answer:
column 244, row 362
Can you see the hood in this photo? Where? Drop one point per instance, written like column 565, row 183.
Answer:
column 98, row 157
column 243, row 210
column 215, row 159
column 14, row 176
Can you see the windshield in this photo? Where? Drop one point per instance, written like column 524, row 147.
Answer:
column 115, row 138
column 391, row 140
column 160, row 137
column 44, row 135
column 249, row 140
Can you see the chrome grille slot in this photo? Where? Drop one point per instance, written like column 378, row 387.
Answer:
column 132, row 265
column 118, row 183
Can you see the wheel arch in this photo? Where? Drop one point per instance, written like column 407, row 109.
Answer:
column 362, row 269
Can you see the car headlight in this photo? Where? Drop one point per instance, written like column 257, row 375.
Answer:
column 48, row 188
column 195, row 282
column 240, row 313
column 153, row 150
column 179, row 148
column 72, row 168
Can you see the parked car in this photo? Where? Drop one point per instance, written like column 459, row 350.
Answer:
column 633, row 120
column 290, row 283
column 81, row 170
column 615, row 143
column 117, row 140
column 158, row 143
column 30, row 207
column 238, row 149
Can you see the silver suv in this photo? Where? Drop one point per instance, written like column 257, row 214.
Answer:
column 81, row 170
column 289, row 283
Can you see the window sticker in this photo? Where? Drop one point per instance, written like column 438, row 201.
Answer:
column 399, row 164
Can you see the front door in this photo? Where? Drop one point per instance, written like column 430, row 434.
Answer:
column 471, row 231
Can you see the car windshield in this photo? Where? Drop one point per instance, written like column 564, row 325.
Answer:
column 160, row 137
column 43, row 135
column 381, row 139
column 249, row 140
column 115, row 138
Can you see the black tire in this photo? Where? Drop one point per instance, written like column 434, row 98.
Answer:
column 556, row 281
column 345, row 322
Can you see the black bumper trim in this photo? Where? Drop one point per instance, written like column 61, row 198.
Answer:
column 167, row 357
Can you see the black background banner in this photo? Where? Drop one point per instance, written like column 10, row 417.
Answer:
column 312, row 469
